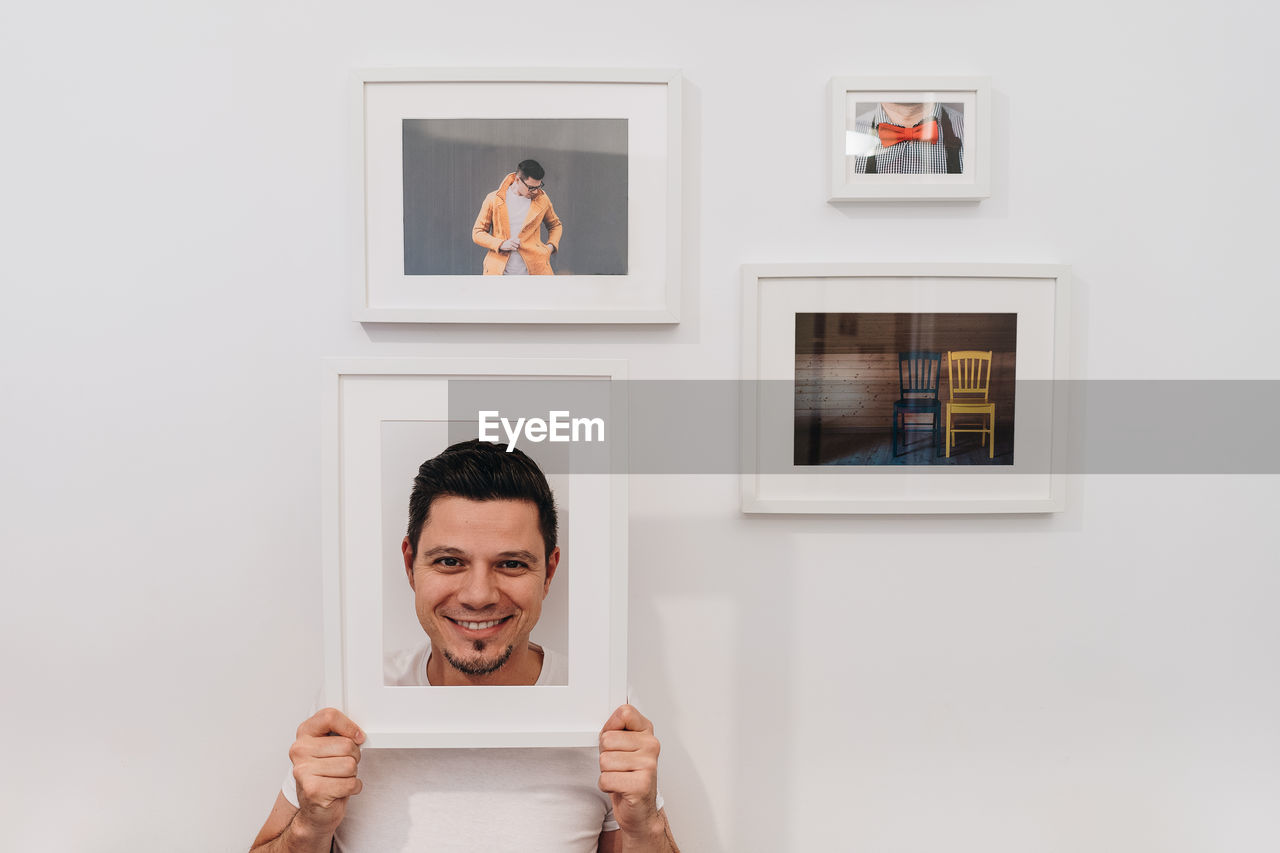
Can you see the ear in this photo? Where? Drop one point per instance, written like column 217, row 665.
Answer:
column 552, row 561
column 407, row 550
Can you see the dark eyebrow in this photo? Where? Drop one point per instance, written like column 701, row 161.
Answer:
column 519, row 555
column 450, row 551
column 443, row 551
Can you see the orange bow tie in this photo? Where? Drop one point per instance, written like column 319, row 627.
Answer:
column 892, row 134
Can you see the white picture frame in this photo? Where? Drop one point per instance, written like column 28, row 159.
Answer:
column 1032, row 481
column 635, row 201
column 963, row 101
column 367, row 400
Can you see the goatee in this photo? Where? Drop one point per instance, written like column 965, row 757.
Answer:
column 479, row 666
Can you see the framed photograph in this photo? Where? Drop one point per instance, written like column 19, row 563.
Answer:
column 904, row 388
column 912, row 138
column 517, row 196
column 383, row 418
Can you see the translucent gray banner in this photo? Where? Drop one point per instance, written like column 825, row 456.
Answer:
column 699, row 426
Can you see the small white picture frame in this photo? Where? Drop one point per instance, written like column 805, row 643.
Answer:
column 952, row 161
column 372, row 406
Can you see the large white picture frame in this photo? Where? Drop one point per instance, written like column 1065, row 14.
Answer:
column 964, row 119
column 429, row 145
column 368, row 400
column 1032, row 476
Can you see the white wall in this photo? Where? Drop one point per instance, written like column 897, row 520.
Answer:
column 173, row 220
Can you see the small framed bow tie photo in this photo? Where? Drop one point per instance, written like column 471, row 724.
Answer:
column 910, row 138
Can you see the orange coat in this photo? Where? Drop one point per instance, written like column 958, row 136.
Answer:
column 491, row 231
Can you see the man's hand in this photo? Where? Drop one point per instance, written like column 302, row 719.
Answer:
column 325, row 757
column 509, row 244
column 629, row 775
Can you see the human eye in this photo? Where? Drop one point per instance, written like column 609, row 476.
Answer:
column 447, row 564
column 512, row 567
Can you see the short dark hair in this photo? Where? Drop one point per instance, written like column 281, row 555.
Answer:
column 531, row 169
column 481, row 471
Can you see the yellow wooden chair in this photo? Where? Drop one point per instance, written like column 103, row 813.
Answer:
column 969, row 375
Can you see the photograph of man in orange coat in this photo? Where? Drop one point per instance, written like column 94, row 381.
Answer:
column 510, row 224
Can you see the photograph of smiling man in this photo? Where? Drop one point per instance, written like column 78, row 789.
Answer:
column 393, row 766
column 478, row 561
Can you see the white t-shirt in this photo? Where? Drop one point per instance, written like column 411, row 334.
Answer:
column 535, row 800
column 517, row 212
column 543, row 800
column 408, row 668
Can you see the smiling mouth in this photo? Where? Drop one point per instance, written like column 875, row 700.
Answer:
column 478, row 626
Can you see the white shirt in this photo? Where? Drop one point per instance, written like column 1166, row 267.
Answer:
column 408, row 667
column 535, row 800
column 517, row 212
column 543, row 800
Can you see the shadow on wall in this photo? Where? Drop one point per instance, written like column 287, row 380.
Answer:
column 700, row 627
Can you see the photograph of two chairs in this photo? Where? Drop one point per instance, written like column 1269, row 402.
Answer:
column 894, row 389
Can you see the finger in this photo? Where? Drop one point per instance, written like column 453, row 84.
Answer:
column 628, row 762
column 307, row 748
column 329, row 747
column 627, row 718
column 631, row 785
column 628, row 741
column 330, row 721
column 338, row 767
column 324, row 791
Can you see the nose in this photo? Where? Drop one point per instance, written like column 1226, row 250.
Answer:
column 479, row 589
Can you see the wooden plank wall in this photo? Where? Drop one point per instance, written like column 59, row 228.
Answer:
column 847, row 363
column 857, row 390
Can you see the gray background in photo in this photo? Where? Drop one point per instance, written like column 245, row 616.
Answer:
column 863, row 110
column 450, row 165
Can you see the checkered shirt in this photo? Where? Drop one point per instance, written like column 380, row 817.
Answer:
column 913, row 157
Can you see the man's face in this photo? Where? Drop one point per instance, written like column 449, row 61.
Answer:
column 527, row 187
column 479, row 580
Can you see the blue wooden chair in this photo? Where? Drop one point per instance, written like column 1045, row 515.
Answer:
column 918, row 374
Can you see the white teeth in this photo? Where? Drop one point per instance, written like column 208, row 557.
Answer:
column 479, row 626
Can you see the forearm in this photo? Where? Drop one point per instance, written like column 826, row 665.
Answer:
column 296, row 838
column 656, row 838
column 480, row 231
column 487, row 240
column 554, row 232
